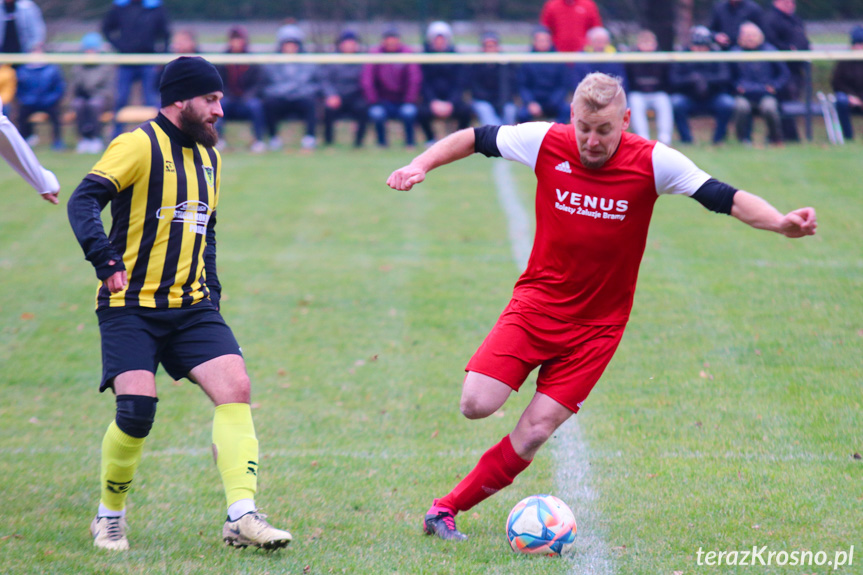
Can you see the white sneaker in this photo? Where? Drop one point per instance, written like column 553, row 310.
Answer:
column 109, row 533
column 308, row 142
column 32, row 140
column 258, row 147
column 275, row 143
column 83, row 146
column 252, row 529
column 221, row 145
column 97, row 146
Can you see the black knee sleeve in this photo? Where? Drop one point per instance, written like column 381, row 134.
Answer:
column 135, row 414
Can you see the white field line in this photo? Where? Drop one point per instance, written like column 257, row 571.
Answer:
column 571, row 453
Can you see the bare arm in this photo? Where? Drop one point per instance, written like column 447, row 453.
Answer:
column 454, row 147
column 755, row 211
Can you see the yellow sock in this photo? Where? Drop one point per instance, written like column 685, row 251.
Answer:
column 120, row 456
column 235, row 448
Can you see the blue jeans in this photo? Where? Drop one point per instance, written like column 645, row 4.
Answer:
column 382, row 111
column 250, row 108
column 489, row 116
column 128, row 75
column 844, row 111
column 720, row 106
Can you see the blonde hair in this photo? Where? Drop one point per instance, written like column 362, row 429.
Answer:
column 597, row 91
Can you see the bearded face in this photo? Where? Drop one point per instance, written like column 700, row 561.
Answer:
column 198, row 121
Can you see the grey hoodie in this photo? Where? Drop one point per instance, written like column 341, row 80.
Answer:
column 290, row 81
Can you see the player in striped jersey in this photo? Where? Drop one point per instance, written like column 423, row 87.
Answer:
column 596, row 188
column 158, row 300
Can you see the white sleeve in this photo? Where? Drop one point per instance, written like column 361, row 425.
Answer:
column 18, row 154
column 674, row 173
column 521, row 142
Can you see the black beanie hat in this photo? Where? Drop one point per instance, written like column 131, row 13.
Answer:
column 188, row 77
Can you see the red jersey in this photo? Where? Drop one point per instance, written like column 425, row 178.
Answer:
column 591, row 224
column 569, row 21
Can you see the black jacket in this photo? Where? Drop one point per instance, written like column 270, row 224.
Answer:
column 785, row 31
column 134, row 29
column 728, row 17
column 700, row 80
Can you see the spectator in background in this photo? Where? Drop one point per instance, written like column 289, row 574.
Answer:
column 8, row 85
column 290, row 90
column 648, row 85
column 443, row 85
column 599, row 42
column 786, row 31
column 40, row 89
column 241, row 82
column 568, row 21
column 343, row 91
column 492, row 86
column 91, row 90
column 23, row 27
column 727, row 17
column 543, row 86
column 136, row 27
column 701, row 88
column 757, row 85
column 848, row 84
column 392, row 90
column 184, row 42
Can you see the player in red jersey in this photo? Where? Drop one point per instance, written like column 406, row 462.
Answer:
column 596, row 187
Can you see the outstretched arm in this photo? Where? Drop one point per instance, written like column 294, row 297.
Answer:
column 454, row 147
column 755, row 211
column 18, row 154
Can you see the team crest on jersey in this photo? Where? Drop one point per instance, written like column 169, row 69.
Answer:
column 210, row 174
column 169, row 167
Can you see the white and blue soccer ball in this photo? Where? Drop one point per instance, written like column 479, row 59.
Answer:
column 541, row 525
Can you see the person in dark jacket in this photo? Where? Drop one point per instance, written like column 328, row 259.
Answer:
column 40, row 89
column 848, row 84
column 728, row 15
column 756, row 86
column 443, row 85
column 701, row 88
column 492, row 86
column 648, row 90
column 392, row 90
column 343, row 91
column 543, row 86
column 91, row 89
column 785, row 30
column 242, row 81
column 137, row 27
column 22, row 26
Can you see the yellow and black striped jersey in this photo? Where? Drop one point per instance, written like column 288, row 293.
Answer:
column 167, row 191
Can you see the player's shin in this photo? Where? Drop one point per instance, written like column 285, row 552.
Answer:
column 235, row 449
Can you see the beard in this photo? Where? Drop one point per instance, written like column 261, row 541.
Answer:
column 592, row 164
column 200, row 131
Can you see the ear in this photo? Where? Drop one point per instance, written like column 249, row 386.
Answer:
column 626, row 116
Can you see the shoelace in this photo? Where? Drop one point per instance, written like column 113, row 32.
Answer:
column 449, row 521
column 113, row 528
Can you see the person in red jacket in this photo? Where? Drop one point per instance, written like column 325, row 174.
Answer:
column 569, row 21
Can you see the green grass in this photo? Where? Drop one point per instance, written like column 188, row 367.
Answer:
column 727, row 419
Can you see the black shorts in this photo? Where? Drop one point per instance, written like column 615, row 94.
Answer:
column 179, row 339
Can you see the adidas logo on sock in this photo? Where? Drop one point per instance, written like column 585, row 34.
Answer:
column 563, row 167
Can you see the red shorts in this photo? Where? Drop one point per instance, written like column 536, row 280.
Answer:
column 572, row 356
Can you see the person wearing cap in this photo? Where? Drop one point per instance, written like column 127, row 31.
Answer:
column 290, row 90
column 443, row 85
column 492, row 86
column 343, row 92
column 158, row 298
column 700, row 88
column 392, row 90
column 91, row 89
column 847, row 82
column 242, row 82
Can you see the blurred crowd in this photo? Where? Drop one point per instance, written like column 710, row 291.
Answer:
column 264, row 96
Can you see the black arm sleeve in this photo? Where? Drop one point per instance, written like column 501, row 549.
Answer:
column 213, row 284
column 84, row 209
column 716, row 196
column 485, row 141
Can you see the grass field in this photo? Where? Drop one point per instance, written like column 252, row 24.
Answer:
column 727, row 420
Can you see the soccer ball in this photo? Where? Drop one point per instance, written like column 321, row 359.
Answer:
column 541, row 525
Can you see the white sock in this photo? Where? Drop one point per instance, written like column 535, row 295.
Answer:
column 105, row 512
column 240, row 508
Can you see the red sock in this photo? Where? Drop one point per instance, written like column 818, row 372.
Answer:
column 496, row 469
